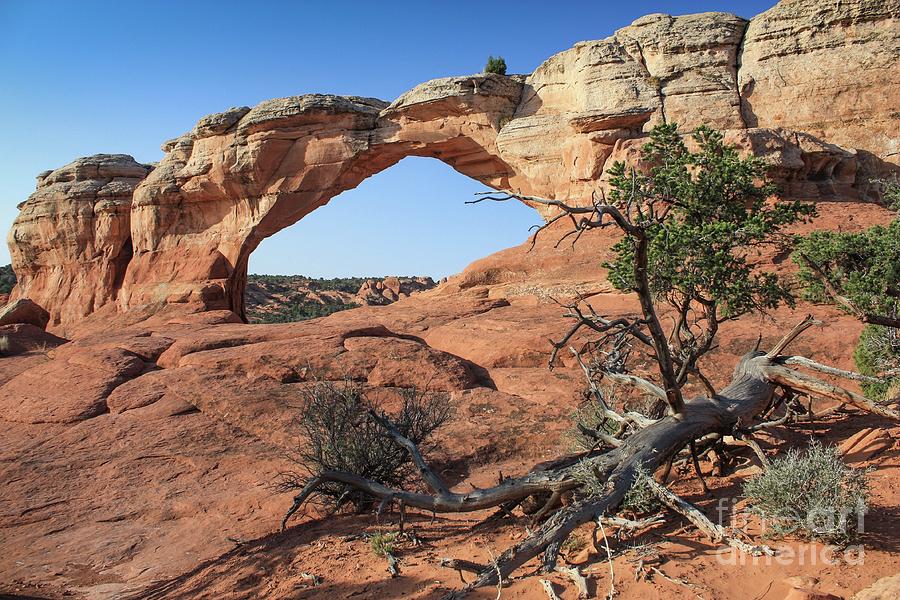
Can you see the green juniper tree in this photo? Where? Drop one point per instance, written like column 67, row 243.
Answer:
column 693, row 224
column 860, row 273
column 495, row 65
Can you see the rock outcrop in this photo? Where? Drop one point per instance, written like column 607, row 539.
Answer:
column 811, row 86
column 830, row 69
column 376, row 292
column 71, row 243
column 24, row 311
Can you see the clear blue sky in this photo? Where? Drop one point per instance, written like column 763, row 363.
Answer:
column 79, row 78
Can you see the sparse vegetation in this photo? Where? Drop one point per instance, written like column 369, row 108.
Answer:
column 340, row 431
column 640, row 498
column 382, row 544
column 574, row 544
column 340, row 284
column 860, row 273
column 692, row 224
column 495, row 65
column 810, row 492
column 7, row 279
column 299, row 307
column 589, row 421
column 878, row 354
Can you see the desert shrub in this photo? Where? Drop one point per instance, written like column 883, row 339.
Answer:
column 298, row 308
column 382, row 544
column 810, row 492
column 495, row 65
column 890, row 191
column 7, row 279
column 573, row 544
column 878, row 352
column 640, row 498
column 863, row 266
column 338, row 434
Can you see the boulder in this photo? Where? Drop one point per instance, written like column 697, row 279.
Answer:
column 24, row 337
column 886, row 588
column 24, row 310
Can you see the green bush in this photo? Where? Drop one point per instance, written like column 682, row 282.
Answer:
column 810, row 492
column 495, row 65
column 877, row 352
column 863, row 266
column 338, row 434
column 640, row 498
column 7, row 279
column 383, row 543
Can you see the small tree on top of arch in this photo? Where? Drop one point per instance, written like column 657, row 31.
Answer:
column 495, row 65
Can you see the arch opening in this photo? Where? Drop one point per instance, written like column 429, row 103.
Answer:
column 408, row 222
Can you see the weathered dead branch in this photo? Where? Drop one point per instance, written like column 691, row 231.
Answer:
column 735, row 410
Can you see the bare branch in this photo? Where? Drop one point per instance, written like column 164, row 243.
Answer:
column 645, row 386
column 793, row 334
column 716, row 532
column 802, row 361
column 810, row 385
column 578, row 579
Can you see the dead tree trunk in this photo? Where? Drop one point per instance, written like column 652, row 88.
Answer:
column 739, row 406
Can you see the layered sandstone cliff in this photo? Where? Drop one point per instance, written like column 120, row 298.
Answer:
column 810, row 86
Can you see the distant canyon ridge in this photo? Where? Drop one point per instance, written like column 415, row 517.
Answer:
column 809, row 85
column 289, row 298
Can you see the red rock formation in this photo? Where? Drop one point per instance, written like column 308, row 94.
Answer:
column 244, row 174
column 391, row 289
column 71, row 242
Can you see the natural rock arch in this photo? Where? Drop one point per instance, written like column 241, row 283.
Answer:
column 241, row 175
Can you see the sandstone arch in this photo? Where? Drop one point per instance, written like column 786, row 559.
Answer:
column 243, row 174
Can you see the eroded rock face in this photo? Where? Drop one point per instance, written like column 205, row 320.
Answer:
column 829, row 68
column 810, row 86
column 71, row 242
column 243, row 175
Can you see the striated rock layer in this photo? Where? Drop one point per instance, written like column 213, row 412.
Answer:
column 811, row 86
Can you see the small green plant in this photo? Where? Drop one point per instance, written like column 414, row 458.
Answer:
column 812, row 493
column 877, row 353
column 7, row 279
column 587, row 419
column 640, row 498
column 383, row 543
column 574, row 544
column 495, row 65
